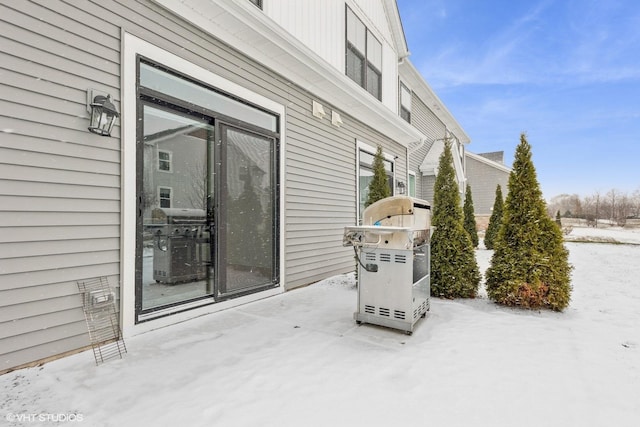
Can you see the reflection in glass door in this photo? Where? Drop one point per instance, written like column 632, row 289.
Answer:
column 248, row 193
column 175, row 225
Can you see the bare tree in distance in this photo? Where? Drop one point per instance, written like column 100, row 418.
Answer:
column 615, row 207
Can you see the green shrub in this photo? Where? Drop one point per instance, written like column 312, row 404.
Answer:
column 495, row 220
column 469, row 217
column 454, row 271
column 530, row 266
column 379, row 185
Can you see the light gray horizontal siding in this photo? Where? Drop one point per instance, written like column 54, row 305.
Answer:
column 423, row 119
column 61, row 261
column 37, row 233
column 59, row 185
column 43, row 219
column 56, row 190
column 320, row 198
column 31, row 324
column 27, row 249
column 483, row 180
column 43, row 350
column 58, row 275
column 52, row 333
column 428, row 185
column 56, row 341
column 61, row 176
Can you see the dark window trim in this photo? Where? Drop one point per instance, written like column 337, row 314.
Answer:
column 197, row 108
column 220, row 215
column 404, row 112
column 350, row 47
column 145, row 96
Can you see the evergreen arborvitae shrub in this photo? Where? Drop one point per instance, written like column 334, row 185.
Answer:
column 495, row 220
column 530, row 266
column 454, row 271
column 379, row 185
column 470, row 217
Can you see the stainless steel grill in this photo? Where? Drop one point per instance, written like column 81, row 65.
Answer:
column 181, row 245
column 393, row 251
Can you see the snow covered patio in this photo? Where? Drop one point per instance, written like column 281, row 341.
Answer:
column 299, row 359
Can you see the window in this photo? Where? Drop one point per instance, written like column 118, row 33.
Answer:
column 164, row 161
column 412, row 184
column 363, row 56
column 365, row 173
column 258, row 3
column 405, row 103
column 164, row 197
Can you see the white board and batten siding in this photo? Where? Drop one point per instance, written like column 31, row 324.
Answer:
column 60, row 195
column 320, row 25
column 317, row 24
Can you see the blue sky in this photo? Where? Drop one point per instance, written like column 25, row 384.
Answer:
column 565, row 72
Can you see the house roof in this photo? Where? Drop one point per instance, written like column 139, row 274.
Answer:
column 496, row 156
column 489, row 162
column 244, row 27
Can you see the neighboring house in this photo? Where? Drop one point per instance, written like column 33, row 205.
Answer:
column 484, row 173
column 250, row 124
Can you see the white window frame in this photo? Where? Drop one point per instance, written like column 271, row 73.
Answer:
column 170, row 161
column 160, row 198
column 412, row 174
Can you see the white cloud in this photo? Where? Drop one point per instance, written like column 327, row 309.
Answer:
column 549, row 44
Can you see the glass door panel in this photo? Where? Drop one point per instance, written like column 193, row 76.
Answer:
column 175, row 241
column 247, row 209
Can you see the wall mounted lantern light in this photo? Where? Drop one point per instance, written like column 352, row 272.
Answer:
column 103, row 114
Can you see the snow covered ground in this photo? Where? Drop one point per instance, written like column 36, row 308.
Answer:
column 299, row 359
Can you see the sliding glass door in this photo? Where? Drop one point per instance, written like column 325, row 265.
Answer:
column 207, row 186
